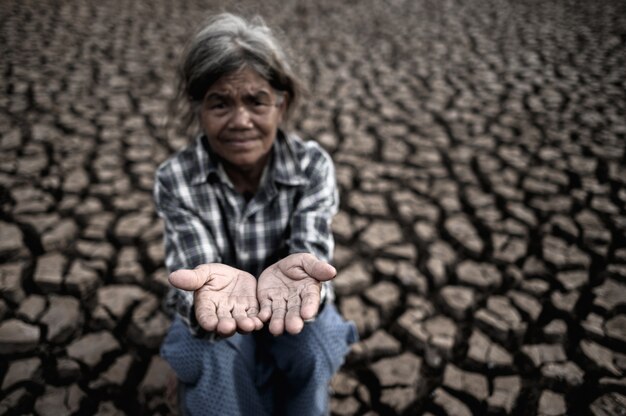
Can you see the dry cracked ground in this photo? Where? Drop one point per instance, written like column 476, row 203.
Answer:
column 481, row 243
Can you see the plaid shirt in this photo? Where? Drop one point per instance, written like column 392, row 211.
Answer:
column 208, row 221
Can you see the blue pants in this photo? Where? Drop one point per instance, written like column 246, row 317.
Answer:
column 259, row 374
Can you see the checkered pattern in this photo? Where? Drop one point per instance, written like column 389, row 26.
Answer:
column 208, row 221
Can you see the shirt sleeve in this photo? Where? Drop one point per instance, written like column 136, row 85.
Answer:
column 188, row 243
column 311, row 222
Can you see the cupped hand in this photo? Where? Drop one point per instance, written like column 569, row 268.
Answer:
column 224, row 298
column 289, row 291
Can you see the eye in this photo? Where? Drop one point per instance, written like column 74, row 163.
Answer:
column 217, row 106
column 260, row 102
column 261, row 99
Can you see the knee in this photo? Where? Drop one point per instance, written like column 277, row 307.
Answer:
column 319, row 350
column 304, row 362
column 182, row 353
column 331, row 336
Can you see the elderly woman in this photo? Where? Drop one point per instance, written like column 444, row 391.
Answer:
column 247, row 211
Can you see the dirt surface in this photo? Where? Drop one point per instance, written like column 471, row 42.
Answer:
column 481, row 244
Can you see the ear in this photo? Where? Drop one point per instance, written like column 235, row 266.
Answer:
column 282, row 108
column 197, row 111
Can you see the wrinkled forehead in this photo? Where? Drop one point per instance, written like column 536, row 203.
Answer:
column 243, row 82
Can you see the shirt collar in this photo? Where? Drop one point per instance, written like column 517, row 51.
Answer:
column 286, row 165
column 284, row 162
column 206, row 162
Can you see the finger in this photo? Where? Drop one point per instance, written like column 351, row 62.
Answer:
column 266, row 309
column 310, row 303
column 253, row 312
column 277, row 323
column 190, row 279
column 244, row 324
column 226, row 325
column 317, row 269
column 293, row 320
column 206, row 315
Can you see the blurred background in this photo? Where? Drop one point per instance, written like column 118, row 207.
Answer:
column 481, row 242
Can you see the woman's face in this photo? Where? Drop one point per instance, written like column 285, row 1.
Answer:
column 240, row 115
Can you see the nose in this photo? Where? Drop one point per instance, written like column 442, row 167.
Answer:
column 241, row 118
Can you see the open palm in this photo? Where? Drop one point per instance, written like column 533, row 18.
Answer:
column 289, row 291
column 225, row 297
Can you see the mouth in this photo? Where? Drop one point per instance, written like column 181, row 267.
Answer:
column 239, row 142
column 240, row 137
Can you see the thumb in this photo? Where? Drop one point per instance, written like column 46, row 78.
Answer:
column 191, row 279
column 318, row 269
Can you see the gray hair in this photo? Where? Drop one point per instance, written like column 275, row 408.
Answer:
column 226, row 44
